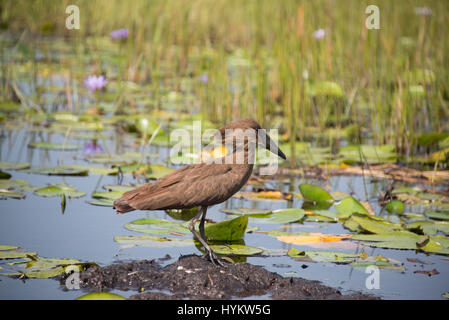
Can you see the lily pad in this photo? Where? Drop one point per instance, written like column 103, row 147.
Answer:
column 7, row 247
column 59, row 190
column 236, row 249
column 92, row 169
column 324, row 256
column 156, row 226
column 349, row 206
column 257, row 213
column 101, row 296
column 110, row 195
column 53, row 146
column 315, row 193
column 58, row 171
column 15, row 254
column 14, row 165
column 281, row 216
column 311, row 238
column 437, row 215
column 102, row 202
column 13, row 184
column 228, row 230
column 11, row 194
column 151, row 241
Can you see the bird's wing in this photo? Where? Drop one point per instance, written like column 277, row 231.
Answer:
column 184, row 188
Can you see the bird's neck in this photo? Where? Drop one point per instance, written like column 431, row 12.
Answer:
column 244, row 155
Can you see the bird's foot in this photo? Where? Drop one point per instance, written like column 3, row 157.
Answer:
column 214, row 259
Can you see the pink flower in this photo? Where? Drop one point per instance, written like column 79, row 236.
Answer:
column 319, row 34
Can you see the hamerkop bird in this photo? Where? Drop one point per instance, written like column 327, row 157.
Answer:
column 207, row 183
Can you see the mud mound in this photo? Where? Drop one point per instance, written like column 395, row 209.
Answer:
column 192, row 277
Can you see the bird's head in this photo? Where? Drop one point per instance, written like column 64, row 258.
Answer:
column 249, row 131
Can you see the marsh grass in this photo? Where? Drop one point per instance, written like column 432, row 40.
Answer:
column 260, row 58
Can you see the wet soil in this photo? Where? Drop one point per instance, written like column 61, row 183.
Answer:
column 192, row 277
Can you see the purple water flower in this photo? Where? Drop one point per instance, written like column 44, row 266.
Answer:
column 319, row 34
column 203, row 78
column 121, row 34
column 95, row 82
column 423, row 11
column 92, row 147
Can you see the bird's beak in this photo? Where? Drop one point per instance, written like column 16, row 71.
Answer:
column 270, row 145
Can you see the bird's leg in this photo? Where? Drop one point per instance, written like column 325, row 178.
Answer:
column 202, row 239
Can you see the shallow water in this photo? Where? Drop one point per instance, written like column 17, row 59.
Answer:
column 86, row 232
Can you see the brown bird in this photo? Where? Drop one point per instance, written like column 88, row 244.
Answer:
column 204, row 184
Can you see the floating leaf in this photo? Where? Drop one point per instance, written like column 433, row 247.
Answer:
column 102, row 202
column 236, row 249
column 58, row 171
column 101, row 296
column 445, row 295
column 228, row 230
column 156, row 226
column 59, row 190
column 111, row 195
column 52, row 146
column 11, row 194
column 183, row 214
column 13, row 184
column 272, row 195
column 281, row 216
column 315, row 193
column 4, row 175
column 92, row 169
column 437, row 215
column 121, row 188
column 15, row 254
column 349, row 206
column 150, row 241
column 247, row 212
column 7, row 247
column 313, row 238
column 324, row 256
column 368, row 224
column 368, row 153
column 14, row 165
column 429, row 227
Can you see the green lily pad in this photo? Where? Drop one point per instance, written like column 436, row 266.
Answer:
column 102, row 202
column 7, row 247
column 15, row 254
column 110, row 195
column 281, row 216
column 13, row 184
column 57, row 171
column 437, row 215
column 101, row 296
column 368, row 153
column 151, row 241
column 236, row 249
column 349, row 206
column 372, row 226
column 228, row 230
column 315, row 193
column 53, row 146
column 92, row 169
column 324, row 256
column 156, row 226
column 121, row 188
column 445, row 295
column 59, row 190
column 14, row 165
column 257, row 213
column 395, row 206
column 183, row 214
column 429, row 227
column 11, row 194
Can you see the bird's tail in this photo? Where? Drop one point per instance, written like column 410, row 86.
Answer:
column 122, row 206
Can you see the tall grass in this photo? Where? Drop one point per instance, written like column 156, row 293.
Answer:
column 272, row 42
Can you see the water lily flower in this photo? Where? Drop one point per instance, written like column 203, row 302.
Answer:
column 92, row 147
column 423, row 11
column 121, row 34
column 94, row 82
column 319, row 34
column 203, row 78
